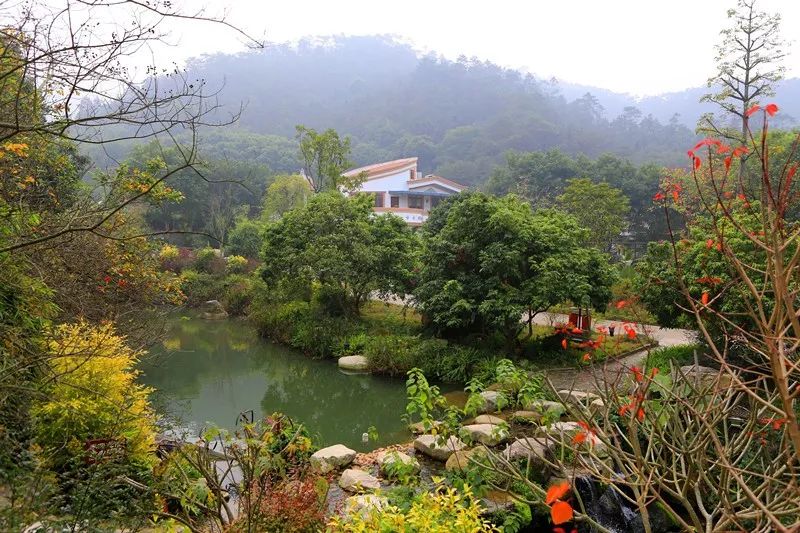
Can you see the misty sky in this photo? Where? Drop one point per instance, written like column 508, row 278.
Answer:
column 636, row 46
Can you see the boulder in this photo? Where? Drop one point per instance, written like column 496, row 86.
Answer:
column 544, row 410
column 577, row 397
column 497, row 501
column 364, row 504
column 387, row 459
column 460, row 459
column 428, row 444
column 487, row 434
column 489, row 419
column 558, row 430
column 491, row 400
column 213, row 310
column 354, row 363
column 354, row 480
column 534, row 450
column 332, row 457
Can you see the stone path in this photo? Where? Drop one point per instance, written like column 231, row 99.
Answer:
column 609, row 372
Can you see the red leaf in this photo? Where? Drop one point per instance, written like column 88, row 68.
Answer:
column 556, row 492
column 771, row 109
column 709, row 244
column 752, row 110
column 640, row 414
column 728, row 163
column 564, row 343
column 637, row 374
column 704, row 298
column 586, row 357
column 577, row 331
column 723, row 149
column 561, row 512
column 631, row 333
column 697, row 163
column 792, row 171
column 740, row 150
column 659, row 196
column 621, row 304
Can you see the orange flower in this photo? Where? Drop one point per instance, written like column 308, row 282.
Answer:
column 556, row 492
column 704, row 298
column 561, row 512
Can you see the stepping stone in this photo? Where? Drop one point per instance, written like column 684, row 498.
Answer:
column 577, row 397
column 491, row 399
column 460, row 459
column 364, row 504
column 332, row 457
column 354, row 363
column 535, row 450
column 387, row 459
column 354, row 480
column 428, row 444
column 488, row 434
column 489, row 419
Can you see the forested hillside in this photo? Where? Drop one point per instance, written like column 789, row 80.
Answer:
column 460, row 117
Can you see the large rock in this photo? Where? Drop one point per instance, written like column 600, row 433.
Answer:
column 332, row 457
column 491, row 400
column 489, row 419
column 558, row 429
column 354, row 480
column 213, row 310
column 460, row 459
column 364, row 504
column 543, row 411
column 387, row 459
column 535, row 450
column 354, row 363
column 488, row 434
column 577, row 397
column 429, row 445
column 417, row 428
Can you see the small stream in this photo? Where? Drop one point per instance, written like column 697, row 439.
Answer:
column 207, row 372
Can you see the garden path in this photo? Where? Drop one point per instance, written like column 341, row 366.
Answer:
column 609, row 372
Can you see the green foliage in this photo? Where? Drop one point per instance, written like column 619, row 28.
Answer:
column 486, row 261
column 336, row 242
column 284, row 194
column 676, row 356
column 598, row 207
column 234, row 291
column 405, row 473
column 205, row 260
column 325, row 157
column 245, row 238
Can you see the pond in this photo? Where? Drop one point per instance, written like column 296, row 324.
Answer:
column 208, row 372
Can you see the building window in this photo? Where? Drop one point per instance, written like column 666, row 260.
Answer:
column 435, row 201
column 395, row 200
column 378, row 199
column 415, row 202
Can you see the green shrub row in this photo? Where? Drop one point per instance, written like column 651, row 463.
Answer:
column 678, row 356
column 234, row 291
column 304, row 326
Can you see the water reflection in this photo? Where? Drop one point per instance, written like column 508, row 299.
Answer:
column 210, row 371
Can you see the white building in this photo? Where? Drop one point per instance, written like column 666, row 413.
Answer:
column 399, row 189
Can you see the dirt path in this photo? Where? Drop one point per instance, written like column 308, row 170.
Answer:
column 590, row 378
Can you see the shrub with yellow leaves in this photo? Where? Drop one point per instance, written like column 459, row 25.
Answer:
column 94, row 405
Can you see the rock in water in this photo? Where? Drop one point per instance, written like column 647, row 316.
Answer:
column 488, row 434
column 332, row 457
column 354, row 363
column 213, row 310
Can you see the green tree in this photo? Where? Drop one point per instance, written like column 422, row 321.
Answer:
column 486, row 261
column 338, row 243
column 598, row 207
column 284, row 194
column 245, row 238
column 325, row 157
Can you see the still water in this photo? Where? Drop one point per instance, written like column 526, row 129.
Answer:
column 207, row 372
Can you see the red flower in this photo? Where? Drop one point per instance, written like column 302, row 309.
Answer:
column 640, row 414
column 621, row 304
column 107, row 279
column 564, row 343
column 771, row 109
column 586, row 357
column 752, row 110
column 631, row 333
column 637, row 374
column 709, row 244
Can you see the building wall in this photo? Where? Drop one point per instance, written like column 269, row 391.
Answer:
column 394, row 182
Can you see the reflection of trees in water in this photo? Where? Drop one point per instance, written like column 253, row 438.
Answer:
column 228, row 354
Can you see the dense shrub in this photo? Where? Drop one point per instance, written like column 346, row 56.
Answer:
column 677, row 356
column 293, row 506
column 235, row 291
column 236, row 264
column 208, row 260
column 245, row 238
